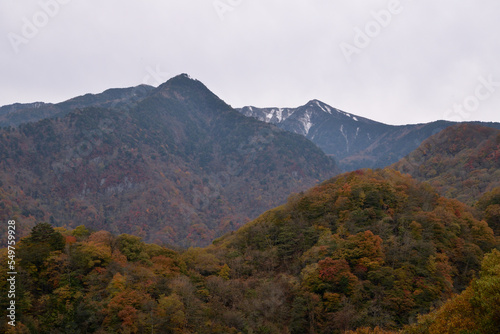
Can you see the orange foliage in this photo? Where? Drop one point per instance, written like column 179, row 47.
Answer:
column 70, row 239
column 455, row 316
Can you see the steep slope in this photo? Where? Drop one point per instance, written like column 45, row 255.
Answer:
column 178, row 167
column 18, row 113
column 364, row 249
column 356, row 142
column 462, row 161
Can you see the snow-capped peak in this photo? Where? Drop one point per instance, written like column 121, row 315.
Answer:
column 323, row 106
column 329, row 110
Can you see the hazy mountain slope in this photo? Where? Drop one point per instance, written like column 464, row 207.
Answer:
column 18, row 113
column 180, row 166
column 356, row 142
column 462, row 161
column 336, row 132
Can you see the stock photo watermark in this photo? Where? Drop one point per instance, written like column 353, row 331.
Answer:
column 74, row 155
column 411, row 163
column 32, row 26
column 363, row 36
column 11, row 271
column 223, row 7
column 463, row 110
column 214, row 187
column 248, row 153
column 155, row 77
column 216, row 183
column 93, row 138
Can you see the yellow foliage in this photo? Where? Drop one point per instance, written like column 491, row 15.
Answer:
column 172, row 311
column 456, row 315
column 117, row 284
column 224, row 272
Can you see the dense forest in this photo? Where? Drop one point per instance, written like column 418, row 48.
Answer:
column 366, row 252
column 462, row 161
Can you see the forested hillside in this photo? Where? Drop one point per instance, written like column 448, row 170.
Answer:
column 178, row 167
column 462, row 161
column 364, row 249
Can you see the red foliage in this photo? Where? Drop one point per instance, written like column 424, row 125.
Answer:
column 331, row 270
column 70, row 239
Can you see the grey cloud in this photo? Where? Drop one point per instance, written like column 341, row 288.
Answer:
column 263, row 53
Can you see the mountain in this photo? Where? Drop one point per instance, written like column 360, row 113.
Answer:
column 178, row 166
column 364, row 249
column 356, row 142
column 18, row 113
column 462, row 161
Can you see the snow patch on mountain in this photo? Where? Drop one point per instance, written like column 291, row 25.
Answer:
column 345, row 136
column 322, row 107
column 306, row 121
column 278, row 114
column 268, row 116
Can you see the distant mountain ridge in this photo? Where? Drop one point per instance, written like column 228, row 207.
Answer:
column 19, row 113
column 356, row 142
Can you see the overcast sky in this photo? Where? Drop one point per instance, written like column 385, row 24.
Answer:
column 392, row 61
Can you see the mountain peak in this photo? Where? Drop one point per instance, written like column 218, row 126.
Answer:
column 183, row 77
column 325, row 108
column 321, row 105
column 316, row 101
column 183, row 88
column 183, row 85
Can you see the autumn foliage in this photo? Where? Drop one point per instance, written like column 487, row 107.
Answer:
column 462, row 161
column 365, row 252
